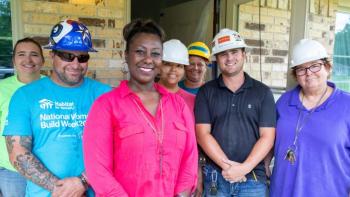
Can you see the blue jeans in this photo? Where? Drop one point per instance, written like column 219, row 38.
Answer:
column 212, row 178
column 12, row 184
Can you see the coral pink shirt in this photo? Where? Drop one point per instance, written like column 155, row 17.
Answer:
column 122, row 152
column 188, row 97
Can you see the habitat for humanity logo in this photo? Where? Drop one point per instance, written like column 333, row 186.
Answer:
column 47, row 104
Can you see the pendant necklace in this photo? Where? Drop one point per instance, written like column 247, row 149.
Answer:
column 159, row 133
column 291, row 151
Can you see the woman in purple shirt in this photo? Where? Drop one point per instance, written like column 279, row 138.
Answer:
column 312, row 149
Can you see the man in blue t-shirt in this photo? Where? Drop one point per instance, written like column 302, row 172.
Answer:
column 46, row 118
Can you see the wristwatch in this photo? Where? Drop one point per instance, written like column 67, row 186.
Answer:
column 83, row 181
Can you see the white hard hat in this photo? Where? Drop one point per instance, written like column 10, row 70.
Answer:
column 307, row 50
column 176, row 52
column 227, row 39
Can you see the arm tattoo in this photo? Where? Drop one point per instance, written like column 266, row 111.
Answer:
column 26, row 142
column 9, row 143
column 29, row 166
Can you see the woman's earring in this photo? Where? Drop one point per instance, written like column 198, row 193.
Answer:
column 125, row 70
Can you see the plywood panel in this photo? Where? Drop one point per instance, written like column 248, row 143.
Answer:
column 324, row 7
column 283, row 4
column 344, row 3
column 314, row 6
column 331, row 10
column 272, row 3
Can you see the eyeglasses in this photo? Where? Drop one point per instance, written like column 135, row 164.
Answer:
column 313, row 68
column 194, row 64
column 69, row 57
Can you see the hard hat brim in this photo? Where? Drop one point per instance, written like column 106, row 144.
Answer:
column 53, row 47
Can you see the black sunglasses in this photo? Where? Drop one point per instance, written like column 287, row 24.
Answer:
column 69, row 57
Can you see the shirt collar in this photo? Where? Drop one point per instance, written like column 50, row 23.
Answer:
column 295, row 101
column 248, row 83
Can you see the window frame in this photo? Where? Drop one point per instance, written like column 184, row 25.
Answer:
column 16, row 20
column 344, row 82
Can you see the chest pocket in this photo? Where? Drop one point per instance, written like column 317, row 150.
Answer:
column 180, row 131
column 130, row 138
column 174, row 137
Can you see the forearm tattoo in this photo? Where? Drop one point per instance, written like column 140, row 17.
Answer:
column 28, row 165
column 26, row 142
column 9, row 144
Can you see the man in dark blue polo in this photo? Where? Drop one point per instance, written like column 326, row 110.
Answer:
column 235, row 123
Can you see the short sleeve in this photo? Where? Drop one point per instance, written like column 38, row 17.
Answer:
column 18, row 120
column 201, row 108
column 268, row 111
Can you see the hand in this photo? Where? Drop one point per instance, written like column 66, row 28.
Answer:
column 267, row 163
column 267, row 170
column 68, row 187
column 185, row 193
column 236, row 172
column 199, row 189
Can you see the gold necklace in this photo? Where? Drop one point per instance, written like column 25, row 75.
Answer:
column 158, row 133
column 291, row 151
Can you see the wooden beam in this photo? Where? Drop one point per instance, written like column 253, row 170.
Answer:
column 16, row 20
column 298, row 28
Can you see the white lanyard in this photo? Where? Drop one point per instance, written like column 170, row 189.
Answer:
column 291, row 151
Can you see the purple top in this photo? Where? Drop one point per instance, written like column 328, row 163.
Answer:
column 322, row 166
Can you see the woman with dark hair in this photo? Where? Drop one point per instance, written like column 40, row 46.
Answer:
column 175, row 58
column 139, row 139
column 27, row 60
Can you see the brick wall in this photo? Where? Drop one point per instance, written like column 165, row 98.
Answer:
column 105, row 20
column 322, row 22
column 273, row 35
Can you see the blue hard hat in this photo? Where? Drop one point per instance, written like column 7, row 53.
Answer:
column 70, row 35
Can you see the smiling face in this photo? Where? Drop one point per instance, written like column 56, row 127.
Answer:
column 68, row 74
column 27, row 59
column 196, row 70
column 144, row 57
column 171, row 73
column 231, row 61
column 311, row 81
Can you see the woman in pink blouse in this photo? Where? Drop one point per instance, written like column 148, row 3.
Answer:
column 172, row 70
column 139, row 139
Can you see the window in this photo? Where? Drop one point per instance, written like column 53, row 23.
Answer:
column 5, row 33
column 341, row 56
